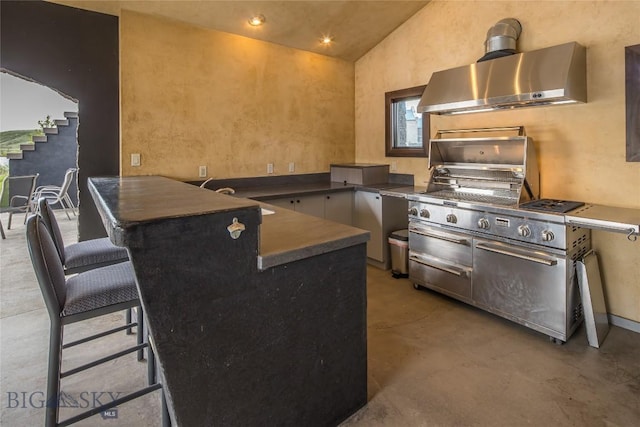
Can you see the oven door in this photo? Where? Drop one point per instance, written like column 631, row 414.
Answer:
column 527, row 286
column 440, row 260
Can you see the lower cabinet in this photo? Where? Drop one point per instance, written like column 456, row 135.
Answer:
column 381, row 215
column 368, row 216
column 283, row 203
column 310, row 205
column 336, row 206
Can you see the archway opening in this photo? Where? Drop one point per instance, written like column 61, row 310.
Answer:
column 38, row 132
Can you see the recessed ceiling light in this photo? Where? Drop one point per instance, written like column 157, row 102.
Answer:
column 326, row 39
column 257, row 20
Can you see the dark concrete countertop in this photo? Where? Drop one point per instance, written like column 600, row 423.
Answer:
column 357, row 165
column 265, row 193
column 402, row 191
column 125, row 202
column 285, row 236
column 233, row 341
column 265, row 188
column 280, row 191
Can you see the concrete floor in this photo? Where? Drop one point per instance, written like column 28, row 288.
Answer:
column 432, row 362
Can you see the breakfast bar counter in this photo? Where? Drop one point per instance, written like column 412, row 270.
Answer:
column 258, row 317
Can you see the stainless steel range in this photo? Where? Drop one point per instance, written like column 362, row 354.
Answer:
column 479, row 233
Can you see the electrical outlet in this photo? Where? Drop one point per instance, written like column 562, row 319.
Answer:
column 202, row 171
column 394, row 166
column 135, row 159
column 269, row 168
column 292, row 167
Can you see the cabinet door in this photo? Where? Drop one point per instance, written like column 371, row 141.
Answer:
column 338, row 207
column 368, row 216
column 286, row 203
column 310, row 205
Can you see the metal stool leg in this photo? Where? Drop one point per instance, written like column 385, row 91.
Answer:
column 151, row 364
column 128, row 320
column 166, row 420
column 53, row 375
column 140, row 331
column 152, row 378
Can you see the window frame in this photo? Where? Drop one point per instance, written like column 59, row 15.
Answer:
column 390, row 149
column 632, row 95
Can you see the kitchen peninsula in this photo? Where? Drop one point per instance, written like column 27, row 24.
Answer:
column 256, row 319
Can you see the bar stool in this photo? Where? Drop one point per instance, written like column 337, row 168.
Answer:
column 81, row 297
column 81, row 256
column 85, row 255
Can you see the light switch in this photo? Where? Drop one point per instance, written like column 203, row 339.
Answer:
column 135, row 159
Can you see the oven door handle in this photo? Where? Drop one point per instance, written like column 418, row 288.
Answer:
column 460, row 241
column 545, row 261
column 459, row 273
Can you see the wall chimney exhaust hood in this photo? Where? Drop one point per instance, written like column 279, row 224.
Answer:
column 554, row 75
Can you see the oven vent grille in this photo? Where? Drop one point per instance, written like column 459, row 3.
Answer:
column 577, row 313
column 580, row 240
column 580, row 253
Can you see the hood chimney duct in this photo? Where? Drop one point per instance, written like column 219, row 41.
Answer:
column 501, row 39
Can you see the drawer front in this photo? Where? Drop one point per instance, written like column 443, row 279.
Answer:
column 449, row 278
column 507, row 280
column 452, row 247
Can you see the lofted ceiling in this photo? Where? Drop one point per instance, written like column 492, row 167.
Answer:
column 355, row 26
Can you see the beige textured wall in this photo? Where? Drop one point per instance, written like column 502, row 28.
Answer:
column 581, row 149
column 194, row 97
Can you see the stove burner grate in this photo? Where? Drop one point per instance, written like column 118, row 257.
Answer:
column 551, row 205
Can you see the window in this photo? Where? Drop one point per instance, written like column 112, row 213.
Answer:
column 406, row 130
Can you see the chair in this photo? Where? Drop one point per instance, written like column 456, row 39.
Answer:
column 20, row 190
column 81, row 256
column 57, row 194
column 81, row 297
column 85, row 255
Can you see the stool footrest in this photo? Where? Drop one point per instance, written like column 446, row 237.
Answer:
column 100, row 335
column 110, row 405
column 103, row 360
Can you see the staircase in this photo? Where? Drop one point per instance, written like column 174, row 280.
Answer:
column 44, row 138
column 50, row 155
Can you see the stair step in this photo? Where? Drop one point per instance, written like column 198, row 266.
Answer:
column 71, row 114
column 28, row 147
column 14, row 156
column 39, row 138
column 61, row 122
column 50, row 131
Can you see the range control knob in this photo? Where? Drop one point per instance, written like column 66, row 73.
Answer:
column 547, row 236
column 484, row 223
column 452, row 218
column 425, row 213
column 524, row 230
column 413, row 211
